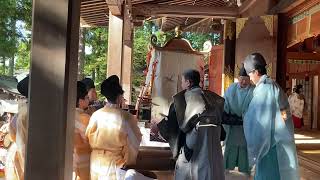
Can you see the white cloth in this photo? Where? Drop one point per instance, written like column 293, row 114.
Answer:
column 169, row 66
column 296, row 105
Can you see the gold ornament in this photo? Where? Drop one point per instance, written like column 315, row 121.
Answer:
column 228, row 30
column 178, row 31
column 229, row 76
column 240, row 23
column 236, row 70
column 269, row 69
column 268, row 22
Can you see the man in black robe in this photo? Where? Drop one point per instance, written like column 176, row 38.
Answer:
column 192, row 129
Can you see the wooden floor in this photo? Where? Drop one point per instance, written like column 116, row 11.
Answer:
column 308, row 147
column 308, row 144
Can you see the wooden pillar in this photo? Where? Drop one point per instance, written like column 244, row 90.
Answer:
column 282, row 50
column 52, row 95
column 126, row 69
column 114, row 61
column 216, row 69
column 315, row 103
column 229, row 40
column 318, row 99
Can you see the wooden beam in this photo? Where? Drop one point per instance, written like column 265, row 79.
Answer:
column 185, row 11
column 282, row 5
column 127, row 53
column 90, row 23
column 246, row 5
column 194, row 24
column 94, row 9
column 98, row 15
column 103, row 6
column 90, row 1
column 299, row 6
column 94, row 12
column 96, row 21
column 95, row 18
column 137, row 23
column 303, row 56
column 302, row 74
column 52, row 92
column 115, row 7
column 93, row 4
column 114, row 60
column 292, row 7
column 141, row 1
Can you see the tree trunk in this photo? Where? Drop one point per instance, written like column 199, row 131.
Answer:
column 14, row 38
column 93, row 75
column 81, row 56
column 11, row 66
column 98, row 73
column 3, row 65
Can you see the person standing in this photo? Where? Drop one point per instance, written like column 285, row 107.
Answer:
column 94, row 103
column 193, row 128
column 82, row 150
column 268, row 126
column 297, row 103
column 237, row 99
column 114, row 137
column 18, row 133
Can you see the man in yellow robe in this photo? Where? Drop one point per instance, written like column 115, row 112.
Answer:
column 82, row 150
column 18, row 133
column 114, row 137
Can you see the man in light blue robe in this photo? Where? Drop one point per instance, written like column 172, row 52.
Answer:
column 237, row 99
column 268, row 126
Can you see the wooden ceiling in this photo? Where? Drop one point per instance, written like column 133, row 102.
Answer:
column 94, row 13
column 168, row 13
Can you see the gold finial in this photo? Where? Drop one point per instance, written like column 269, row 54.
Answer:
column 178, row 31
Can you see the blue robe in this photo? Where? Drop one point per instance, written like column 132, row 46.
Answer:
column 269, row 136
column 237, row 100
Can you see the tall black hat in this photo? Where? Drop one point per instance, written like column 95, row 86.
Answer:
column 81, row 90
column 89, row 83
column 23, row 86
column 242, row 71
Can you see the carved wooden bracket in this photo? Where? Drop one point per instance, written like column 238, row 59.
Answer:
column 268, row 22
column 229, row 30
column 240, row 25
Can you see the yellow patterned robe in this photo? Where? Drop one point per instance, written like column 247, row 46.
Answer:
column 16, row 153
column 114, row 137
column 82, row 150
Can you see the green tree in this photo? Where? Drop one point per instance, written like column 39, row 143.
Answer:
column 96, row 39
column 197, row 40
column 12, row 12
column 23, row 56
column 141, row 42
column 81, row 55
